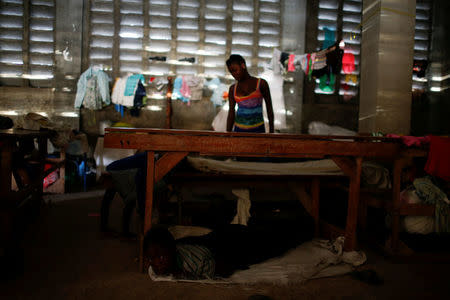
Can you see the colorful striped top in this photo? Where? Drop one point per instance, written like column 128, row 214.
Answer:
column 249, row 115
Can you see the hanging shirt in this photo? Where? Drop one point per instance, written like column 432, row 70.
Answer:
column 195, row 84
column 102, row 82
column 118, row 90
column 249, row 115
column 92, row 97
column 329, row 37
column 131, row 85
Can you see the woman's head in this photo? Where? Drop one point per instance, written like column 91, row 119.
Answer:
column 237, row 66
column 160, row 251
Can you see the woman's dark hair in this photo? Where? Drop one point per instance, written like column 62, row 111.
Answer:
column 235, row 59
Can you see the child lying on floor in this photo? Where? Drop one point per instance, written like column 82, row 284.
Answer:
column 223, row 251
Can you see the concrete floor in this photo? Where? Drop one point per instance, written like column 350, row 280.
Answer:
column 66, row 257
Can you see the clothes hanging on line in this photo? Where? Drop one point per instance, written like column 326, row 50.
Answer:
column 100, row 91
column 317, row 64
column 129, row 91
column 330, row 37
column 92, row 97
column 187, row 88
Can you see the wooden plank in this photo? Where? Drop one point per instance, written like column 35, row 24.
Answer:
column 158, row 131
column 269, row 146
column 417, row 210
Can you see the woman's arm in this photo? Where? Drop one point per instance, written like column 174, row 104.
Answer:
column 231, row 105
column 265, row 91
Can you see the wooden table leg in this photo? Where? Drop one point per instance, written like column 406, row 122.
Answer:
column 396, row 187
column 351, row 168
column 352, row 210
column 148, row 205
column 5, row 167
column 315, row 195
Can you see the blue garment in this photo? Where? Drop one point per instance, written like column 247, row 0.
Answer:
column 176, row 93
column 176, row 88
column 102, row 82
column 119, row 109
column 136, row 162
column 139, row 95
column 132, row 81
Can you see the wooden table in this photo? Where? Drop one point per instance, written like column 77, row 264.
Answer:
column 8, row 140
column 347, row 152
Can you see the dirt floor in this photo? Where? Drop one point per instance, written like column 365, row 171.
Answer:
column 66, row 257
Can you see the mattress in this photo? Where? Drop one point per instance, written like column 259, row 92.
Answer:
column 233, row 167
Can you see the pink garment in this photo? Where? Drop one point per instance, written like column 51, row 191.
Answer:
column 185, row 90
column 411, row 140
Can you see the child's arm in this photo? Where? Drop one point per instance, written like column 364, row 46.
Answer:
column 265, row 91
column 231, row 105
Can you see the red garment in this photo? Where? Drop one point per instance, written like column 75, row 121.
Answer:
column 348, row 63
column 409, row 140
column 291, row 67
column 438, row 163
column 308, row 57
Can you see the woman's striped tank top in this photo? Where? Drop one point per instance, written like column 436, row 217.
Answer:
column 249, row 115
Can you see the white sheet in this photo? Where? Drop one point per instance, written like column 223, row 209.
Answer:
column 229, row 166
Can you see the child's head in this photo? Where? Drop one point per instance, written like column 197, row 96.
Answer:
column 159, row 250
column 237, row 66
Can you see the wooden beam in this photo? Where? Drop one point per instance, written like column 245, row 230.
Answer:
column 346, row 164
column 167, row 162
